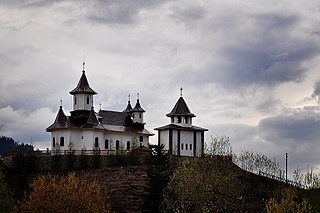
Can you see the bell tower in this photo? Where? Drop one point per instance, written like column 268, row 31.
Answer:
column 82, row 94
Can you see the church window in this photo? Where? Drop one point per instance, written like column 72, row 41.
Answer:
column 128, row 145
column 190, row 146
column 181, row 146
column 61, row 141
column 53, row 142
column 140, row 139
column 106, row 144
column 186, row 146
column 75, row 100
column 179, row 119
column 140, row 115
column 88, row 100
column 132, row 115
column 185, row 120
column 117, row 144
column 172, row 119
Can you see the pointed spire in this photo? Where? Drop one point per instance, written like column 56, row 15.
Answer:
column 83, row 85
column 129, row 107
column 181, row 108
column 61, row 118
column 137, row 107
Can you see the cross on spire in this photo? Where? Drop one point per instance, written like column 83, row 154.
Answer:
column 83, row 64
column 61, row 102
column 138, row 96
column 181, row 90
column 129, row 97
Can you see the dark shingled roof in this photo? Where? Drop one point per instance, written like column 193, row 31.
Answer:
column 137, row 107
column 93, row 121
column 114, row 118
column 174, row 126
column 180, row 108
column 60, row 121
column 83, row 86
column 129, row 108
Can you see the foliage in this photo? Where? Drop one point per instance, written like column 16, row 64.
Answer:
column 96, row 158
column 257, row 162
column 7, row 203
column 203, row 185
column 83, row 161
column 53, row 193
column 159, row 169
column 135, row 152
column 309, row 180
column 8, row 144
column 56, row 162
column 219, row 146
column 288, row 203
column 70, row 157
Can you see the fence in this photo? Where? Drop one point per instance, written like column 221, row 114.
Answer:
column 279, row 178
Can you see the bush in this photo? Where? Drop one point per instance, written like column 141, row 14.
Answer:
column 53, row 193
column 83, row 161
column 7, row 203
column 56, row 162
column 70, row 161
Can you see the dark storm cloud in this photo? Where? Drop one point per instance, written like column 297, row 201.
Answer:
column 268, row 50
column 299, row 127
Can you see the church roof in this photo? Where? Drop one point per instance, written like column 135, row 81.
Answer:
column 83, row 86
column 137, row 107
column 60, row 121
column 174, row 126
column 180, row 108
column 114, row 118
column 93, row 121
column 128, row 108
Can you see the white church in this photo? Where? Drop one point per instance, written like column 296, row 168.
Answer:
column 114, row 130
column 181, row 137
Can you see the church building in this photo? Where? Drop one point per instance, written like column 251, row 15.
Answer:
column 180, row 137
column 112, row 130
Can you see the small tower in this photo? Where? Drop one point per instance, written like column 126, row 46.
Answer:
column 128, row 109
column 82, row 94
column 181, row 114
column 137, row 112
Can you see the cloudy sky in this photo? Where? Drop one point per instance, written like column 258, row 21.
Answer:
column 249, row 69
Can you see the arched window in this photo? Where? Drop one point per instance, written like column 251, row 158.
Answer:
column 96, row 141
column 186, row 146
column 88, row 100
column 128, row 145
column 61, row 141
column 186, row 120
column 53, row 142
column 140, row 115
column 190, row 146
column 117, row 144
column 106, row 144
column 181, row 146
column 179, row 119
column 75, row 100
column 141, row 139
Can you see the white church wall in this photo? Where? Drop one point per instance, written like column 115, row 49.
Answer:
column 82, row 101
column 186, row 139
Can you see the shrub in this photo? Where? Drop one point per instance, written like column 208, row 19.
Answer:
column 7, row 203
column 53, row 193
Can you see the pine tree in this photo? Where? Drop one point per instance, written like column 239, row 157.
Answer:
column 159, row 169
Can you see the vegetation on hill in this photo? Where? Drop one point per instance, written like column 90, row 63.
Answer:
column 8, row 144
column 7, row 201
column 52, row 193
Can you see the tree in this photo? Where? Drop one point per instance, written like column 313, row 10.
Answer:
column 288, row 203
column 7, row 203
column 203, row 185
column 96, row 158
column 159, row 169
column 257, row 162
column 219, row 146
column 52, row 193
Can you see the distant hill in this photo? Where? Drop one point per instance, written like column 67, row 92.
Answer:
column 8, row 145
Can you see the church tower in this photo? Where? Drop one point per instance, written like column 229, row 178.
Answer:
column 137, row 112
column 82, row 94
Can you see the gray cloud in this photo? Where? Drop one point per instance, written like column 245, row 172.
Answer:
column 119, row 11
column 316, row 91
